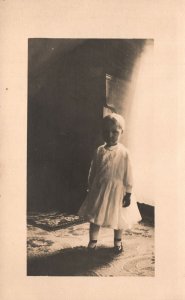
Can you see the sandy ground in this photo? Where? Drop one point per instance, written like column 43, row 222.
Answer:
column 63, row 252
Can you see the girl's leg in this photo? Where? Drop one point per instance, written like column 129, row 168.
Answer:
column 118, row 234
column 93, row 235
column 118, row 241
column 117, row 237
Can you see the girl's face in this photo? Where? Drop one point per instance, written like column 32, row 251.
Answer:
column 111, row 133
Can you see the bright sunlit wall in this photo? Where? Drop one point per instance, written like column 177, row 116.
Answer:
column 150, row 129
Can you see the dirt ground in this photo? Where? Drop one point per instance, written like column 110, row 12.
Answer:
column 63, row 252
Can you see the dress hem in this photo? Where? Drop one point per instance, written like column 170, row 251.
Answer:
column 125, row 227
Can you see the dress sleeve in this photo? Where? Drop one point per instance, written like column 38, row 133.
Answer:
column 92, row 170
column 128, row 177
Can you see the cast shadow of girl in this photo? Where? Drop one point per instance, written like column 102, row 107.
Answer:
column 77, row 261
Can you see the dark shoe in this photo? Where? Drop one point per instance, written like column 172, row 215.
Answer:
column 118, row 249
column 92, row 246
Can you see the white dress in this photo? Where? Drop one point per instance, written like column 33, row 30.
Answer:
column 110, row 177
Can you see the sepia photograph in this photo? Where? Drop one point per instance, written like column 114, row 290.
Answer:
column 90, row 206
column 92, row 149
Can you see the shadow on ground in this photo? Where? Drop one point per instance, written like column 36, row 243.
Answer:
column 75, row 261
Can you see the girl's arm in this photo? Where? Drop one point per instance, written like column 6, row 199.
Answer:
column 128, row 182
column 92, row 171
column 128, row 178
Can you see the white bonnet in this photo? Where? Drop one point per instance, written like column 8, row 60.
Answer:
column 119, row 119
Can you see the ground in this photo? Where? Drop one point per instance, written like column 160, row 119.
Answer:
column 62, row 251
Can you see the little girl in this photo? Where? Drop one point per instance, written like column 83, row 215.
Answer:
column 108, row 203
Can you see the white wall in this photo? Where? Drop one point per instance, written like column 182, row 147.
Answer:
column 151, row 132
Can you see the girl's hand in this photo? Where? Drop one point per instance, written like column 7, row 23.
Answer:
column 126, row 200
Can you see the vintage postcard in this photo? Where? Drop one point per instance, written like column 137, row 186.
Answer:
column 92, row 147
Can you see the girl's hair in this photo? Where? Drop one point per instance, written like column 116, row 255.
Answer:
column 115, row 118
